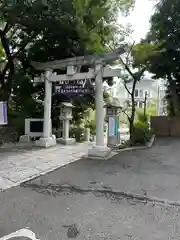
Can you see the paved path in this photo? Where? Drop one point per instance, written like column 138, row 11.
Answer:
column 18, row 165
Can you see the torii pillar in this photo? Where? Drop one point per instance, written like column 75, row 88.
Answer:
column 48, row 140
column 100, row 150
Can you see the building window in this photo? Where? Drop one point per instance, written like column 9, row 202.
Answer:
column 140, row 93
column 136, row 93
column 136, row 104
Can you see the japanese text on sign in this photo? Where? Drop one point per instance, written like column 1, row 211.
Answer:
column 73, row 87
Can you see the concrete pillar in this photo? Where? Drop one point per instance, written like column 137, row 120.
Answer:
column 100, row 150
column 48, row 139
column 99, row 106
column 47, row 105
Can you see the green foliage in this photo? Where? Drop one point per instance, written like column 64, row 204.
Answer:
column 142, row 133
column 92, row 125
column 96, row 20
column 143, row 52
column 165, row 34
column 2, row 55
column 77, row 133
column 57, row 29
column 141, row 117
column 133, row 72
column 19, row 123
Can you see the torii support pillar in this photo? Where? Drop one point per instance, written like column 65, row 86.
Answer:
column 100, row 150
column 48, row 139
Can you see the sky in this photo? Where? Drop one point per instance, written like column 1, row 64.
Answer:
column 139, row 18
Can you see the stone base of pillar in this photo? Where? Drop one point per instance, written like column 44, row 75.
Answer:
column 99, row 152
column 25, row 139
column 46, row 142
column 69, row 141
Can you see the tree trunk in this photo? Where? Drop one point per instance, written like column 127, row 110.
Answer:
column 131, row 131
column 131, row 126
column 7, row 73
column 133, row 110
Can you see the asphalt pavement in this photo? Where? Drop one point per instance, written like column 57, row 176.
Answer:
column 84, row 200
column 55, row 214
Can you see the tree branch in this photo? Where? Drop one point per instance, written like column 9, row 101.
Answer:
column 124, row 111
column 126, row 67
column 129, row 52
column 5, row 44
column 127, row 88
column 5, row 30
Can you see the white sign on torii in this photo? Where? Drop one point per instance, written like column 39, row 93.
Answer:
column 99, row 72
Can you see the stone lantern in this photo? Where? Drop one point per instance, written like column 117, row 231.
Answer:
column 66, row 116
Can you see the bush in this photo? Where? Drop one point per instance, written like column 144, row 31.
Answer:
column 57, row 132
column 92, row 125
column 19, row 124
column 77, row 133
column 142, row 133
column 141, row 117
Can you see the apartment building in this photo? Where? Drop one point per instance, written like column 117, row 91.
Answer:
column 151, row 90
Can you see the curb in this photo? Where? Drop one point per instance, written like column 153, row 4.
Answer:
column 148, row 145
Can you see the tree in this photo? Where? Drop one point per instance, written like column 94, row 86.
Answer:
column 43, row 31
column 165, row 63
column 132, row 72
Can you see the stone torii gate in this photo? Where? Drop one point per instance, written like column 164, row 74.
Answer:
column 98, row 72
